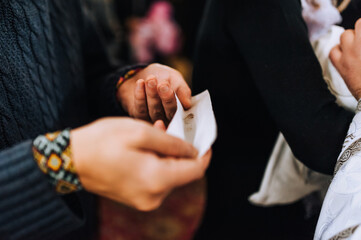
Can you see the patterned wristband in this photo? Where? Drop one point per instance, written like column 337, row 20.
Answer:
column 128, row 75
column 52, row 153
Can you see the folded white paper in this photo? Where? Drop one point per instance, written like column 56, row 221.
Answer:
column 196, row 125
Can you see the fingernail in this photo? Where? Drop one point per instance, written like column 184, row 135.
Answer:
column 139, row 84
column 151, row 83
column 164, row 89
column 150, row 77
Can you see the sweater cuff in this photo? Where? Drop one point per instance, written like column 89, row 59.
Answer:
column 110, row 91
column 29, row 206
column 52, row 153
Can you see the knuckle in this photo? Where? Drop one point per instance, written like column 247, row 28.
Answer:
column 358, row 23
column 150, row 177
column 177, row 73
column 147, row 204
column 332, row 52
column 142, row 109
column 188, row 91
column 154, row 188
column 168, row 100
column 154, row 65
column 140, row 97
column 140, row 133
column 346, row 34
column 157, row 114
column 201, row 174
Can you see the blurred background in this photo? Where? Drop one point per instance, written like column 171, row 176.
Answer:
column 145, row 31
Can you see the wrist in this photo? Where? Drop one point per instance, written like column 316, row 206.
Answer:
column 53, row 154
column 81, row 152
column 125, row 86
column 128, row 75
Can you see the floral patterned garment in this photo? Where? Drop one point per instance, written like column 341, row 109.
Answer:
column 176, row 219
column 340, row 215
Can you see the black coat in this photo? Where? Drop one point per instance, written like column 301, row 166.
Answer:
column 255, row 58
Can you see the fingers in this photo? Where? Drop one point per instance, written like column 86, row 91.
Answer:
column 346, row 44
column 358, row 30
column 155, row 107
column 167, row 174
column 347, row 39
column 184, row 95
column 161, row 100
column 207, row 158
column 140, row 101
column 183, row 171
column 335, row 56
column 168, row 99
column 182, row 90
column 158, row 141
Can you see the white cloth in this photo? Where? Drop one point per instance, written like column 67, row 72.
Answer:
column 197, row 125
column 336, row 85
column 286, row 179
column 341, row 210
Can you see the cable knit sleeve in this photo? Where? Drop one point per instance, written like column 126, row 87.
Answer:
column 30, row 208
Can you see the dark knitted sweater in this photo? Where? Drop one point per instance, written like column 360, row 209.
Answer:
column 54, row 74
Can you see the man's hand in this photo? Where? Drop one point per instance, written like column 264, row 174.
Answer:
column 346, row 57
column 132, row 162
column 150, row 94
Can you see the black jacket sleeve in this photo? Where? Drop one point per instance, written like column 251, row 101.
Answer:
column 102, row 72
column 272, row 38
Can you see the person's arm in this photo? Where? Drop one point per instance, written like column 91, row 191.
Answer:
column 149, row 94
column 272, row 38
column 123, row 159
column 132, row 162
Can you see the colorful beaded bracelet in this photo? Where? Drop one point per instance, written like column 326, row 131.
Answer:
column 52, row 153
column 128, row 75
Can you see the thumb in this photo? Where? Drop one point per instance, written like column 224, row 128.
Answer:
column 185, row 96
column 156, row 140
column 159, row 124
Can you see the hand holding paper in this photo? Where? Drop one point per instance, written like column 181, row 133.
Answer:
column 196, row 125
